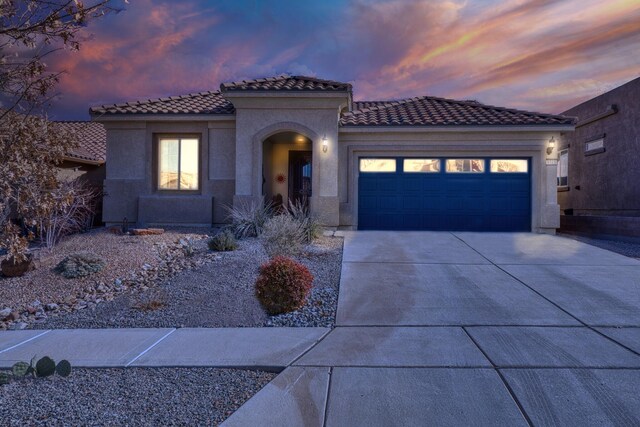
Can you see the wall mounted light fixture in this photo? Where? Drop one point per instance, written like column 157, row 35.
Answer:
column 325, row 144
column 551, row 145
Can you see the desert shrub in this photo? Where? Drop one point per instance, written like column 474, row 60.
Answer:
column 80, row 264
column 310, row 225
column 282, row 236
column 283, row 285
column 223, row 242
column 188, row 247
column 248, row 217
column 72, row 210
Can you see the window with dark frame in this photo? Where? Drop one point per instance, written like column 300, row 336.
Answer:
column 178, row 163
column 563, row 168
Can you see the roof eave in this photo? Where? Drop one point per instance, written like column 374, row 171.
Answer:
column 171, row 117
column 83, row 161
column 456, row 128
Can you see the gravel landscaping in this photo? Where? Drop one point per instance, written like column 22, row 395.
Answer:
column 216, row 291
column 132, row 263
column 132, row 397
column 629, row 249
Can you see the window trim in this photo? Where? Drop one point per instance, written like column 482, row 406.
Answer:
column 156, row 162
column 564, row 187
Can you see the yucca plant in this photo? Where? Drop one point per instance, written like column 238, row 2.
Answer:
column 249, row 216
column 310, row 225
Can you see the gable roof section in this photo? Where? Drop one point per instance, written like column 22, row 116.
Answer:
column 433, row 111
column 92, row 137
column 193, row 103
column 286, row 83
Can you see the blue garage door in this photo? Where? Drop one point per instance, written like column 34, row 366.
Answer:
column 454, row 194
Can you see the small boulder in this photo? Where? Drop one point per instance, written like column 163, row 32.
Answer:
column 4, row 313
column 51, row 307
column 18, row 326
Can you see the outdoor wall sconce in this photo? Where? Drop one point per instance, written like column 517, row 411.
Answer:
column 325, row 144
column 551, row 145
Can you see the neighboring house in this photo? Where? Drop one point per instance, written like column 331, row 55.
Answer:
column 88, row 159
column 421, row 163
column 599, row 168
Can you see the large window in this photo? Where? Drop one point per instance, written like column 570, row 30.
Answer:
column 178, row 163
column 563, row 168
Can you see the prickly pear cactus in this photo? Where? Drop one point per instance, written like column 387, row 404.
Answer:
column 4, row 378
column 20, row 369
column 45, row 367
column 63, row 368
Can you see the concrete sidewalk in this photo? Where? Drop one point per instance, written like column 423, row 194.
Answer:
column 265, row 348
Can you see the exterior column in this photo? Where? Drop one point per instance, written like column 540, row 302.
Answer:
column 550, row 213
column 324, row 201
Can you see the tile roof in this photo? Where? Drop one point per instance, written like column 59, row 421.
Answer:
column 418, row 111
column 286, row 83
column 193, row 103
column 433, row 111
column 93, row 140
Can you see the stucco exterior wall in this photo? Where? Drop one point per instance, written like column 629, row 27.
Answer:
column 130, row 185
column 606, row 183
column 545, row 210
column 257, row 118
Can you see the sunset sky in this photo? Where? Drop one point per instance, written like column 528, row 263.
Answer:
column 540, row 55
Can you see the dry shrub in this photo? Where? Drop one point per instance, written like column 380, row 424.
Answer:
column 282, row 235
column 283, row 285
column 72, row 211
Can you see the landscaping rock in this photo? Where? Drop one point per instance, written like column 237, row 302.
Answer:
column 4, row 313
column 51, row 307
column 18, row 326
column 146, row 231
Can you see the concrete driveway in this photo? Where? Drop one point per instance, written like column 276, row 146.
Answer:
column 437, row 328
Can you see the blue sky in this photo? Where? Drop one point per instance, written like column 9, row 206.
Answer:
column 541, row 55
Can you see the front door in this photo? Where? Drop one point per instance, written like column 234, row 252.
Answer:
column 300, row 176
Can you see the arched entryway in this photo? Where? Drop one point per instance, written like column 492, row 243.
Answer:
column 287, row 168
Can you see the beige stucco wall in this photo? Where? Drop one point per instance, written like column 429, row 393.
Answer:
column 545, row 210
column 130, row 189
column 315, row 116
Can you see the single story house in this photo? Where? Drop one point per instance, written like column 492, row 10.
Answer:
column 598, row 172
column 422, row 163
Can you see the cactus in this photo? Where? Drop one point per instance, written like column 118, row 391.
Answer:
column 45, row 367
column 4, row 378
column 63, row 368
column 20, row 369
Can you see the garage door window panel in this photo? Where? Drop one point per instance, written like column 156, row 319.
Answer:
column 378, row 165
column 421, row 165
column 465, row 165
column 509, row 166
